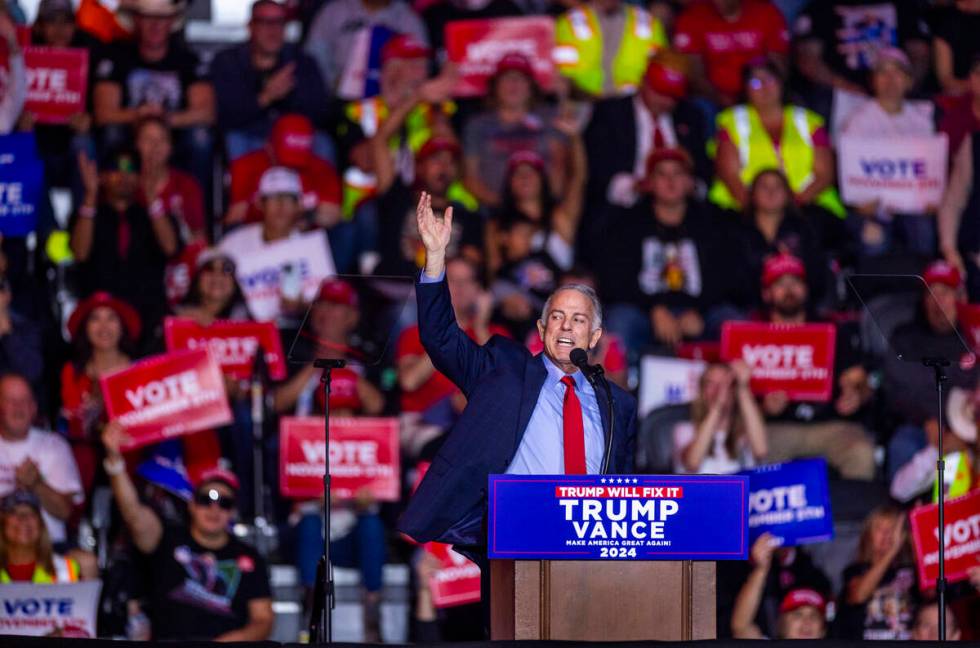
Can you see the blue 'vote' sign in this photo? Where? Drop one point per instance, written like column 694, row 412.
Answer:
column 791, row 501
column 21, row 174
column 634, row 517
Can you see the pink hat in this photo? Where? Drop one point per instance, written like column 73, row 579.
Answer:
column 942, row 272
column 777, row 266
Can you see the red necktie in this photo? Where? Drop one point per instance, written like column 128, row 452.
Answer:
column 573, row 430
column 124, row 234
column 659, row 141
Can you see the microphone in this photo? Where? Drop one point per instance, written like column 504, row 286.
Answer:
column 580, row 359
column 594, row 374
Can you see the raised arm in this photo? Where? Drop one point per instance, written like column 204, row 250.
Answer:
column 452, row 351
column 143, row 524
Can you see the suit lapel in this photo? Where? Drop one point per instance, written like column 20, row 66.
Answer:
column 600, row 397
column 534, row 376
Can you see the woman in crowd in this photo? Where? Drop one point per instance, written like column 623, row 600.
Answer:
column 880, row 590
column 26, row 553
column 528, row 195
column 514, row 123
column 103, row 330
column 214, row 293
column 773, row 224
column 167, row 190
column 726, row 432
column 767, row 133
column 15, row 90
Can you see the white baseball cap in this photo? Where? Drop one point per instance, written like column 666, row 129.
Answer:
column 278, row 181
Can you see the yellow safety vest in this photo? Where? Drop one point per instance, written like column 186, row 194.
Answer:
column 578, row 53
column 66, row 571
column 369, row 114
column 757, row 152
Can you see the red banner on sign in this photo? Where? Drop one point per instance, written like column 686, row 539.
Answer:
column 796, row 359
column 166, row 396
column 962, row 534
column 363, row 452
column 969, row 317
column 57, row 82
column 476, row 46
column 457, row 581
column 232, row 344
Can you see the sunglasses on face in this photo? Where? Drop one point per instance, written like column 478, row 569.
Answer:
column 757, row 83
column 207, row 498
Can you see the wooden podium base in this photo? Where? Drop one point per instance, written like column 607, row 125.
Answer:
column 602, row 600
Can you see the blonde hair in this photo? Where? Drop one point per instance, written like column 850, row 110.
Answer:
column 43, row 548
column 865, row 546
column 700, row 407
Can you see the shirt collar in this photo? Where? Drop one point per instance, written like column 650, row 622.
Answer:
column 555, row 375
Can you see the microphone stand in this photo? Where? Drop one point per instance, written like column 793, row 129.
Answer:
column 258, row 392
column 596, row 376
column 323, row 590
column 938, row 366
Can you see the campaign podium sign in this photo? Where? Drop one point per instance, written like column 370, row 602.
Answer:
column 961, row 539
column 791, row 501
column 618, row 517
column 794, row 358
column 69, row 609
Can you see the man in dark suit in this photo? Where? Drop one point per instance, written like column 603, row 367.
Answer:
column 525, row 414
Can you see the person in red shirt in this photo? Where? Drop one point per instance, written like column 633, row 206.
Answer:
column 290, row 145
column 722, row 36
column 430, row 401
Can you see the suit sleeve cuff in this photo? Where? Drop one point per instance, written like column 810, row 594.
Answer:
column 426, row 279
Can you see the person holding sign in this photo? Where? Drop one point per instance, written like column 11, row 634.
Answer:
column 726, row 432
column 205, row 584
column 800, row 429
column 26, row 553
column 524, row 415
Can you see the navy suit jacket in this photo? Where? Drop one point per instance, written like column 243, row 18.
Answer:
column 501, row 381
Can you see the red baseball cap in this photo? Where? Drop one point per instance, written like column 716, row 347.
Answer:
column 666, row 79
column 337, row 291
column 437, row 144
column 525, row 157
column 292, row 140
column 801, row 597
column 777, row 266
column 664, row 154
column 942, row 272
column 515, row 62
column 218, row 474
column 403, row 46
column 127, row 314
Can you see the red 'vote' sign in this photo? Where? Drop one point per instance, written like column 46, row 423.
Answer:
column 233, row 344
column 476, row 46
column 363, row 453
column 57, row 82
column 962, row 538
column 166, row 396
column 797, row 359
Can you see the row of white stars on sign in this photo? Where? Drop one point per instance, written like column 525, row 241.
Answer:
column 618, row 480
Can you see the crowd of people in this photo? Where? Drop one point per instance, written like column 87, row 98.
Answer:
column 682, row 163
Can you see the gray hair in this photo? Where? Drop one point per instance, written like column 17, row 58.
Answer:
column 588, row 291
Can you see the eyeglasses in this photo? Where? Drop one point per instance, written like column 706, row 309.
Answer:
column 224, row 267
column 211, row 496
column 757, row 83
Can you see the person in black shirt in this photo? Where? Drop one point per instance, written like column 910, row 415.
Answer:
column 264, row 78
column 663, row 265
column 119, row 244
column 204, row 583
column 773, row 224
column 956, row 45
column 880, row 590
column 155, row 75
column 804, row 428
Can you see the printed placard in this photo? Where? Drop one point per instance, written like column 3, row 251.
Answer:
column 961, row 534
column 363, row 453
column 903, row 174
column 618, row 517
column 69, row 609
column 791, row 501
column 165, row 396
column 476, row 46
column 797, row 359
column 232, row 344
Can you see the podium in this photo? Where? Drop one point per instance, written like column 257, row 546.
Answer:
column 610, row 558
column 586, row 600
